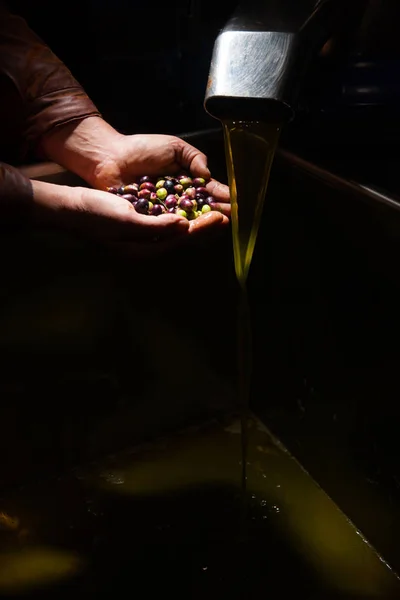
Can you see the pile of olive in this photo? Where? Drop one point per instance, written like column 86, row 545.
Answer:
column 182, row 195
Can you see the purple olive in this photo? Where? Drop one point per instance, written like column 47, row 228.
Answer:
column 201, row 201
column 178, row 188
column 186, row 205
column 147, row 185
column 132, row 188
column 171, row 210
column 209, row 200
column 171, row 201
column 146, row 178
column 199, row 182
column 169, row 186
column 129, row 197
column 144, row 194
column 202, row 190
column 191, row 192
column 121, row 190
column 142, row 206
column 157, row 210
column 112, row 190
column 153, row 197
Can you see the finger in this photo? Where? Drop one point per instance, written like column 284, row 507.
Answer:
column 164, row 226
column 192, row 159
column 222, row 207
column 206, row 222
column 205, row 226
column 218, row 190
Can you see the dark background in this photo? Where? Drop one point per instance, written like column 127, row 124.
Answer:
column 145, row 65
column 324, row 281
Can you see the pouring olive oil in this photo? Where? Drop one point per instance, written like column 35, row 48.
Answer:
column 249, row 148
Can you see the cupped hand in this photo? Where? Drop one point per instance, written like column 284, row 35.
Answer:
column 106, row 218
column 154, row 154
column 110, row 218
column 113, row 221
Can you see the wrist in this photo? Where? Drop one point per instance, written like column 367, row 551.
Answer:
column 88, row 148
column 52, row 202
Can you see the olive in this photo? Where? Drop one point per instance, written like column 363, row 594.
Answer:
column 202, row 190
column 146, row 178
column 147, row 185
column 162, row 193
column 171, row 201
column 191, row 192
column 185, row 182
column 129, row 197
column 157, row 210
column 132, row 188
column 200, row 201
column 144, row 194
column 199, row 182
column 169, row 186
column 142, row 206
column 186, row 205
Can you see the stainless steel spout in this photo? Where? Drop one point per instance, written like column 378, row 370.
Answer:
column 261, row 55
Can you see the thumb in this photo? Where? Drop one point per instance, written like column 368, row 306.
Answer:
column 194, row 160
column 199, row 167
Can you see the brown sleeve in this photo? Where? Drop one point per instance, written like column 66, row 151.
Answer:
column 16, row 198
column 50, row 94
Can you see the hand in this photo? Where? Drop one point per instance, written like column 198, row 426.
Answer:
column 107, row 218
column 153, row 154
column 92, row 149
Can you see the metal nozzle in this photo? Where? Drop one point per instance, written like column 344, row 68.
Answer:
column 260, row 57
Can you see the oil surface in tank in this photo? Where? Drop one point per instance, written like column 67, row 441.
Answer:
column 163, row 519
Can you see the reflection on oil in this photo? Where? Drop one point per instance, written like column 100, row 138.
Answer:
column 164, row 518
column 27, row 569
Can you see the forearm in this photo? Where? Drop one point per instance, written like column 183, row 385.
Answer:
column 83, row 147
column 50, row 94
column 25, row 202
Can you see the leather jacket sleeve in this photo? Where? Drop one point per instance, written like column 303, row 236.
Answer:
column 51, row 96
column 37, row 94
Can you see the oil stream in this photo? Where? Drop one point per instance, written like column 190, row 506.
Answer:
column 249, row 149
